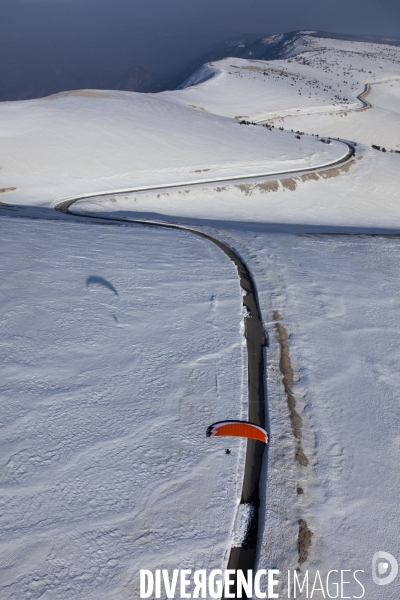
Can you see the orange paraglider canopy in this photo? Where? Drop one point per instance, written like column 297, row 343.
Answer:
column 238, row 429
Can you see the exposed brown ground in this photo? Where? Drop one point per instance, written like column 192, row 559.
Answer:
column 303, row 541
column 249, row 68
column 9, row 189
column 199, row 107
column 285, row 366
column 291, row 183
column 85, row 93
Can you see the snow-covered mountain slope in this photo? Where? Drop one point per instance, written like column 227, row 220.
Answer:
column 364, row 193
column 283, row 45
column 378, row 125
column 82, row 142
column 277, row 46
column 320, row 77
column 337, row 297
column 120, row 346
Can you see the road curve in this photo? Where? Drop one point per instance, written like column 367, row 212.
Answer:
column 361, row 97
column 349, row 154
column 243, row 557
column 367, row 89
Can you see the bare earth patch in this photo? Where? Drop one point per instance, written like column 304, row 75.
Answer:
column 269, row 186
column 286, row 369
column 290, row 183
column 198, row 107
column 303, row 541
column 246, row 188
column 248, row 68
column 85, row 93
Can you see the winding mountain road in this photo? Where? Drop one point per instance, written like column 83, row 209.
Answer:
column 365, row 105
column 241, row 557
column 361, row 97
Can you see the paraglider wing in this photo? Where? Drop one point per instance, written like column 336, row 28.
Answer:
column 238, row 429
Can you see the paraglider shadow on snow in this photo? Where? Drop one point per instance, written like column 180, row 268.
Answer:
column 96, row 280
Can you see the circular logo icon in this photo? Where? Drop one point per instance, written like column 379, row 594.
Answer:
column 384, row 568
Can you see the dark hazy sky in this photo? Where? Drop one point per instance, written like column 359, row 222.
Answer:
column 223, row 18
column 49, row 45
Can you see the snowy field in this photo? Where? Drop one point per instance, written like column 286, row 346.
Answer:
column 120, row 345
column 339, row 299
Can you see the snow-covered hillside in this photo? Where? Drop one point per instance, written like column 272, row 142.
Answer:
column 338, row 299
column 320, row 77
column 119, row 348
column 333, row 296
column 91, row 141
